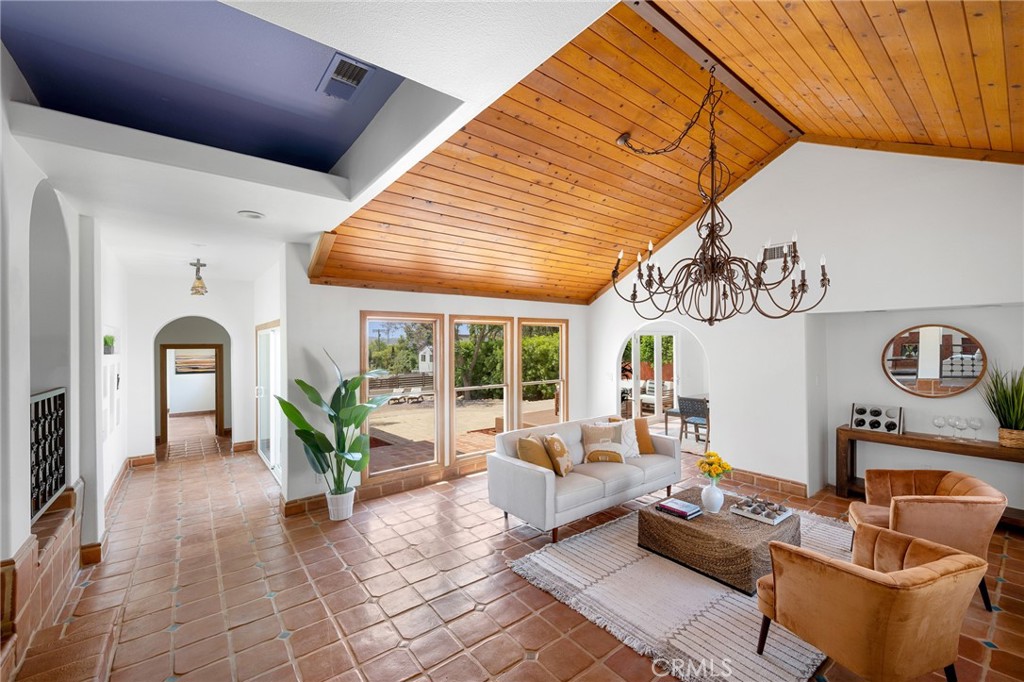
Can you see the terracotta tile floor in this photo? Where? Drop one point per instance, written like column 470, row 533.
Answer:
column 191, row 425
column 204, row 580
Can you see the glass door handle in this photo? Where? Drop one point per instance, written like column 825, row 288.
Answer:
column 259, row 392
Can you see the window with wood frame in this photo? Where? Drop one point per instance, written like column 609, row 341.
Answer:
column 543, row 371
column 405, row 431
column 481, row 376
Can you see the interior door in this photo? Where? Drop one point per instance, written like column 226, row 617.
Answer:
column 268, row 384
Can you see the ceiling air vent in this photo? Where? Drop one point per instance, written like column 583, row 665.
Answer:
column 343, row 77
column 776, row 251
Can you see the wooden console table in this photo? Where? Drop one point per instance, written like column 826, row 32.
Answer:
column 847, row 482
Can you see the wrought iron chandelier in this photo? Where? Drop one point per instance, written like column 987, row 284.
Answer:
column 198, row 286
column 714, row 285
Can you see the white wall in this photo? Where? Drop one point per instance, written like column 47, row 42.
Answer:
column 152, row 303
column 28, row 199
column 900, row 232
column 268, row 291
column 19, row 176
column 318, row 317
column 190, row 392
column 855, row 342
column 114, row 314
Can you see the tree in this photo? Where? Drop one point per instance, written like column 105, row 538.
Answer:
column 480, row 359
column 540, row 363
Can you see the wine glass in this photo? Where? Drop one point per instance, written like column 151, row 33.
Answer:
column 951, row 423
column 975, row 424
column 961, row 425
column 939, row 423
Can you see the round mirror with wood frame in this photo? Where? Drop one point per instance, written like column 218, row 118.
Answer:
column 934, row 361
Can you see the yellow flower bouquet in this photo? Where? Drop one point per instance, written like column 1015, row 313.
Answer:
column 713, row 466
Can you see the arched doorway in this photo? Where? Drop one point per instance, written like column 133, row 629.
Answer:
column 193, row 379
column 658, row 363
column 54, row 432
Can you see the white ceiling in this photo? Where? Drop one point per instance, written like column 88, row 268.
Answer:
column 154, row 196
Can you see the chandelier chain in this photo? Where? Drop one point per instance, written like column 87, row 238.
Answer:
column 705, row 103
column 714, row 285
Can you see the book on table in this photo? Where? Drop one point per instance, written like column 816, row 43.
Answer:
column 680, row 508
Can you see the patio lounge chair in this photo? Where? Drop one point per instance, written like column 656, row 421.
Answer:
column 397, row 397
column 416, row 394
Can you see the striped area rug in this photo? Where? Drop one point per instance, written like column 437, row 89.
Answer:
column 692, row 627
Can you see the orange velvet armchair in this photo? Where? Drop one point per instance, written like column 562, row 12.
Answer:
column 947, row 507
column 893, row 614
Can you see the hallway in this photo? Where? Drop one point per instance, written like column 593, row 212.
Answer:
column 192, row 435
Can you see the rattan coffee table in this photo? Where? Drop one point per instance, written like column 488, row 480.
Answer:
column 723, row 546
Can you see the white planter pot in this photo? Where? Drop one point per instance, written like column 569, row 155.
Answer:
column 339, row 507
column 711, row 498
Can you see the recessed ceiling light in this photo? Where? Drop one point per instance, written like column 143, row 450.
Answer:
column 251, row 215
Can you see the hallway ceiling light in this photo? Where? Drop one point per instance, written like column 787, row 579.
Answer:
column 714, row 285
column 198, row 286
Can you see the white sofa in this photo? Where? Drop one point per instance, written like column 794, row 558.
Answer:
column 546, row 501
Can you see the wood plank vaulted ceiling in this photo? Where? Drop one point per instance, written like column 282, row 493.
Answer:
column 532, row 199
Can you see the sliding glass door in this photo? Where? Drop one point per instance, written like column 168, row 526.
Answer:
column 268, row 384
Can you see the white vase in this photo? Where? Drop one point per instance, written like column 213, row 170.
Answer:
column 711, row 498
column 339, row 507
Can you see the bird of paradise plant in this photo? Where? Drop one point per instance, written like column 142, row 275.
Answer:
column 350, row 450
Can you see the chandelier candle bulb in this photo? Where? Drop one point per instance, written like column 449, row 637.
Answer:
column 823, row 261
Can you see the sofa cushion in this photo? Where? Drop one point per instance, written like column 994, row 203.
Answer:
column 871, row 514
column 532, row 450
column 602, row 438
column 558, row 451
column 616, row 477
column 653, row 466
column 576, row 489
column 766, row 595
column 643, row 436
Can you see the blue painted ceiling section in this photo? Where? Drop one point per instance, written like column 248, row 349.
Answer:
column 197, row 71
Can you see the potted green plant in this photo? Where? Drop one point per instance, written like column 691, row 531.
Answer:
column 1004, row 395
column 108, row 345
column 349, row 451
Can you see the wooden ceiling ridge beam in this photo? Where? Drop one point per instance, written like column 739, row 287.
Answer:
column 661, row 21
column 648, row 68
column 968, row 153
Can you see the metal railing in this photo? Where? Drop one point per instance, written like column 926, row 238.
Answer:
column 48, row 448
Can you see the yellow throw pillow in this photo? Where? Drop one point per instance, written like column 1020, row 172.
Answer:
column 531, row 449
column 558, row 452
column 643, row 436
column 603, row 456
column 605, row 438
